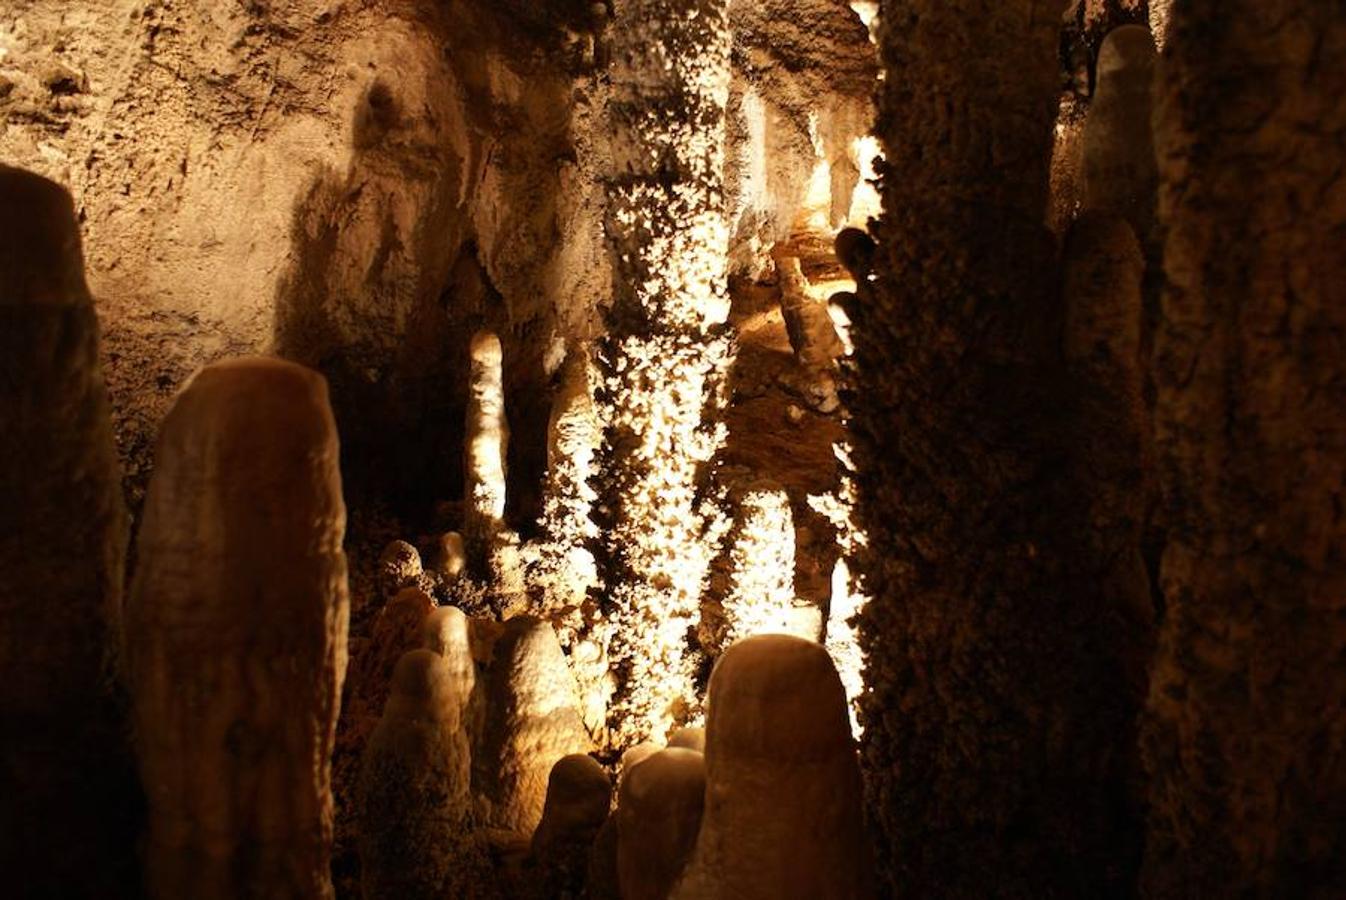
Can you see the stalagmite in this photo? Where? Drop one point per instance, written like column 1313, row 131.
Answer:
column 485, row 443
column 1121, row 176
column 783, row 809
column 400, row 567
column 658, row 817
column 665, row 360
column 579, row 796
column 761, row 594
column 532, row 720
column 563, row 565
column 396, row 629
column 448, row 632
column 236, row 635
column 689, row 739
column 414, row 802
column 996, row 708
column 1245, row 737
column 68, row 799
column 450, row 557
column 812, row 335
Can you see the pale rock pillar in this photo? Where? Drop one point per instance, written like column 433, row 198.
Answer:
column 236, row 635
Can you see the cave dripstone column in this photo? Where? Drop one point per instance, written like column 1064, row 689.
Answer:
column 998, row 705
column 68, row 800
column 236, row 636
column 663, row 363
column 1245, row 739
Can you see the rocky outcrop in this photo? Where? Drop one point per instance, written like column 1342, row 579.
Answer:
column 1244, row 734
column 236, row 636
column 68, row 798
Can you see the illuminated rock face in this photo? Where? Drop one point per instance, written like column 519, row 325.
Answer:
column 658, row 818
column 1244, row 738
column 67, row 788
column 236, row 636
column 664, row 362
column 783, row 810
column 997, row 710
column 530, row 721
column 414, row 794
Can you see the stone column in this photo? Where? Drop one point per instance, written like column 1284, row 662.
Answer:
column 69, row 804
column 996, row 704
column 1246, row 733
column 236, row 636
column 664, row 361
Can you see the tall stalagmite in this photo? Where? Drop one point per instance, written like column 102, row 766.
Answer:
column 996, row 695
column 664, row 362
column 67, row 785
column 1246, row 732
column 236, row 636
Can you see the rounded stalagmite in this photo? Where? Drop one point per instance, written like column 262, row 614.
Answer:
column 415, row 789
column 579, row 795
column 531, row 720
column 658, row 817
column 68, row 798
column 783, row 815
column 236, row 635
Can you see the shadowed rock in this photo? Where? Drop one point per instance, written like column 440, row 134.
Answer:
column 658, row 816
column 68, row 799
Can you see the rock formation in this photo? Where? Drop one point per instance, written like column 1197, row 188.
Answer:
column 1120, row 174
column 1244, row 733
column 414, row 801
column 68, row 800
column 531, row 721
column 783, row 809
column 993, row 718
column 761, row 595
column 236, row 636
column 579, row 795
column 665, row 358
column 485, row 443
column 658, row 818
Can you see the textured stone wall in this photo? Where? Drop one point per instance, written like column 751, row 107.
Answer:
column 998, row 704
column 1244, row 736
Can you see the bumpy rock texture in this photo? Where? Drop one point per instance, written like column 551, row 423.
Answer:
column 666, row 357
column 998, row 703
column 236, row 636
column 68, row 799
column 1244, row 737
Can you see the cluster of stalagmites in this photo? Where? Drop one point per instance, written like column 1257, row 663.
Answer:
column 475, row 779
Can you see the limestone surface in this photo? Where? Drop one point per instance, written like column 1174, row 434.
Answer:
column 236, row 636
column 784, row 816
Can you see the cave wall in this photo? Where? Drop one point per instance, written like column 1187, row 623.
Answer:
column 361, row 184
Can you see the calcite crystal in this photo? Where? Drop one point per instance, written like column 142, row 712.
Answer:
column 236, row 636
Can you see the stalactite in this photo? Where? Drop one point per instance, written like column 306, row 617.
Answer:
column 68, row 799
column 663, row 363
column 995, row 699
column 1245, row 739
column 236, row 636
